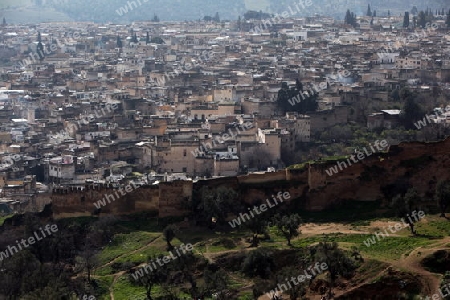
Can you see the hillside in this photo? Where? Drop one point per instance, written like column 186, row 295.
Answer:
column 400, row 266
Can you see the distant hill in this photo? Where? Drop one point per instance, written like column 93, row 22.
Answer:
column 118, row 11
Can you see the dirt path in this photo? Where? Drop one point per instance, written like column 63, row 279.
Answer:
column 210, row 256
column 116, row 277
column 311, row 229
column 409, row 263
column 121, row 273
column 132, row 252
column 412, row 264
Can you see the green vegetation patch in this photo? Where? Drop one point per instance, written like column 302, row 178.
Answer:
column 123, row 289
column 222, row 244
column 102, row 287
column 141, row 256
column 389, row 248
column 371, row 268
column 103, row 271
column 328, row 159
column 392, row 248
column 434, row 228
column 2, row 219
column 125, row 243
column 300, row 166
column 246, row 296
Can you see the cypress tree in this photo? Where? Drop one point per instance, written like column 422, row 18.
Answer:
column 406, row 20
column 448, row 19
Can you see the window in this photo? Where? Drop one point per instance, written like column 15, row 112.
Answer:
column 184, row 169
column 184, row 152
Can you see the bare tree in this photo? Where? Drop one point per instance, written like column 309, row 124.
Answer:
column 87, row 259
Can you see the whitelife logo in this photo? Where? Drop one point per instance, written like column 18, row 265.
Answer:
column 441, row 294
column 49, row 229
column 262, row 208
column 39, row 54
column 297, row 280
column 161, row 262
column 285, row 14
column 430, row 119
column 205, row 57
column 205, row 147
column 124, row 9
column 316, row 89
column 86, row 119
column 11, row 160
column 397, row 227
column 360, row 155
column 400, row 43
column 113, row 197
column 108, row 198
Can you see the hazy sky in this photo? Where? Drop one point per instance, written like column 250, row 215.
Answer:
column 34, row 11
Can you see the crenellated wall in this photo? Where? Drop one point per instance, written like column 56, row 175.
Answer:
column 75, row 202
column 175, row 198
column 420, row 165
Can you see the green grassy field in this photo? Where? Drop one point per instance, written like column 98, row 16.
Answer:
column 135, row 247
